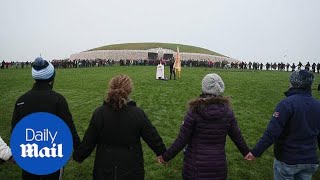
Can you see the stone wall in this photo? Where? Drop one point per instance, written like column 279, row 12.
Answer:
column 116, row 55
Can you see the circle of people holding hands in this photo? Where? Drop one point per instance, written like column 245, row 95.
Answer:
column 118, row 125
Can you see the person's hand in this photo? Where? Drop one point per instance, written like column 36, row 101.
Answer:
column 250, row 157
column 161, row 160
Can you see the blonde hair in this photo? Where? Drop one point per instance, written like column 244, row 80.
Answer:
column 120, row 88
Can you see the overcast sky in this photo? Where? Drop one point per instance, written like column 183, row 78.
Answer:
column 249, row 30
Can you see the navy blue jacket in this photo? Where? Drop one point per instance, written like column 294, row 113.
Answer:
column 294, row 129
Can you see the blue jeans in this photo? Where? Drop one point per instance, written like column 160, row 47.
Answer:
column 283, row 171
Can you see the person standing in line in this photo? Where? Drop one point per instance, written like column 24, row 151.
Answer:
column 287, row 66
column 299, row 65
column 294, row 129
column 307, row 66
column 293, row 67
column 314, row 67
column 41, row 98
column 3, row 64
column 204, row 131
column 116, row 129
column 172, row 71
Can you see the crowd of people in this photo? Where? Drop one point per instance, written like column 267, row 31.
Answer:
column 84, row 63
column 118, row 125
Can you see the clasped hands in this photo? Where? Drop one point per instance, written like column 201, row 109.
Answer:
column 248, row 157
column 160, row 160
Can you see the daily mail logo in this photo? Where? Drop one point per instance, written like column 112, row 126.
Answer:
column 41, row 143
column 32, row 150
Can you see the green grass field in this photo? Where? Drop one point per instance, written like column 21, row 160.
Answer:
column 145, row 46
column 254, row 96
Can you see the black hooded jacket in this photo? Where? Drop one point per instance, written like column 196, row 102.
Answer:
column 41, row 98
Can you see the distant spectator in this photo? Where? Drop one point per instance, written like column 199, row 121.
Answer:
column 287, row 66
column 3, row 64
column 172, row 71
column 307, row 66
column 314, row 67
column 299, row 65
column 293, row 67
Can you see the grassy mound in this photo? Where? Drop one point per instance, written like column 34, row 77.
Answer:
column 145, row 46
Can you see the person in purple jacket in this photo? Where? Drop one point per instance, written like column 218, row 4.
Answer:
column 294, row 129
column 203, row 132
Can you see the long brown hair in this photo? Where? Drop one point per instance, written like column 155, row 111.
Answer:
column 120, row 88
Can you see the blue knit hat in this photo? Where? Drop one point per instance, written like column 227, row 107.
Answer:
column 42, row 70
column 301, row 79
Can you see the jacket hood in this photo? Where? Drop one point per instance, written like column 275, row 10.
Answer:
column 129, row 103
column 210, row 108
column 301, row 91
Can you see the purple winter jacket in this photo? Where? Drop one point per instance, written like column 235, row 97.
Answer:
column 204, row 132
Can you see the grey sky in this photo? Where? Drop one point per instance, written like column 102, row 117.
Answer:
column 249, row 30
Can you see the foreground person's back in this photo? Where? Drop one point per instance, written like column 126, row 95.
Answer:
column 116, row 128
column 205, row 127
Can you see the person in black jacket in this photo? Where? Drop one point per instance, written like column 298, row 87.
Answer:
column 115, row 129
column 172, row 71
column 41, row 98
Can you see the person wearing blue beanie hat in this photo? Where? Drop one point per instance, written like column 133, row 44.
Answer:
column 42, row 70
column 41, row 98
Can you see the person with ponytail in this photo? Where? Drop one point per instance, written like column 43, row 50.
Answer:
column 116, row 129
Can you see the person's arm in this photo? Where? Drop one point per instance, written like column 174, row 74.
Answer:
column 236, row 136
column 319, row 141
column 64, row 114
column 89, row 140
column 151, row 136
column 182, row 139
column 5, row 151
column 16, row 117
column 274, row 129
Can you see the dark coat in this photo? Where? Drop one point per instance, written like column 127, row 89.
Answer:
column 204, row 131
column 41, row 98
column 294, row 129
column 117, row 134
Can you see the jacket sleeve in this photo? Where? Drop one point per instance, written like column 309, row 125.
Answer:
column 183, row 137
column 89, row 140
column 16, row 117
column 5, row 151
column 64, row 113
column 236, row 136
column 151, row 136
column 319, row 142
column 274, row 129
